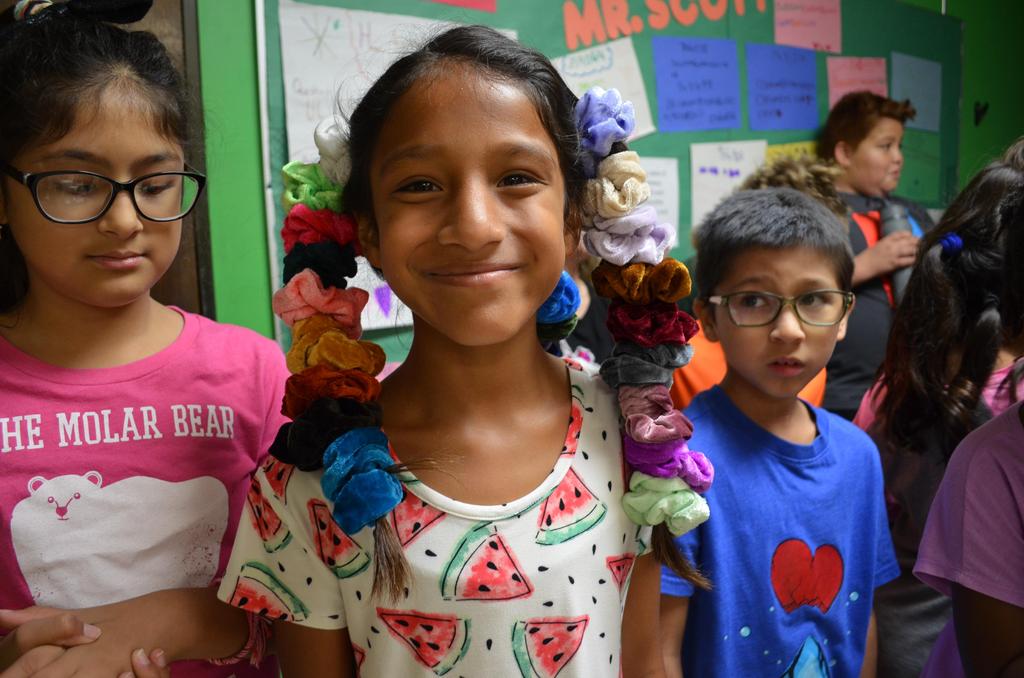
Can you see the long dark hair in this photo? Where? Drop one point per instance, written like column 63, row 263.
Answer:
column 496, row 55
column 59, row 62
column 958, row 310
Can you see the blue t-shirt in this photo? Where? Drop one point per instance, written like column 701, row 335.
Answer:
column 797, row 543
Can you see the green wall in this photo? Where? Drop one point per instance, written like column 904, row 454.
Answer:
column 227, row 28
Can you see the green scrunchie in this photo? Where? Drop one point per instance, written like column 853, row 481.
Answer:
column 307, row 184
column 652, row 501
column 550, row 333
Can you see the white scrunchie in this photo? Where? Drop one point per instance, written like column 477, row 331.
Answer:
column 620, row 187
column 331, row 137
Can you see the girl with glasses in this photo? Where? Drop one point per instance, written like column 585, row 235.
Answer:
column 128, row 429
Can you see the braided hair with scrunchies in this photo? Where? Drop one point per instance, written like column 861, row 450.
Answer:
column 332, row 394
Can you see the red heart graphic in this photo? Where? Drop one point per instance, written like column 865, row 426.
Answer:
column 799, row 578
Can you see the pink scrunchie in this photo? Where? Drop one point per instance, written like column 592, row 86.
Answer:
column 310, row 226
column 650, row 415
column 304, row 296
column 672, row 459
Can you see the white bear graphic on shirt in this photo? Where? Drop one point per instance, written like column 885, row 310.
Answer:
column 80, row 543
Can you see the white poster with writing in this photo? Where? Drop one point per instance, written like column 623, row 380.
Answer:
column 663, row 177
column 717, row 169
column 611, row 65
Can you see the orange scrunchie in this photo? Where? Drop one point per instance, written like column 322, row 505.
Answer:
column 642, row 283
column 318, row 340
column 320, row 381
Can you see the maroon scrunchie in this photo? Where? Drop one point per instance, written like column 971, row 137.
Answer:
column 650, row 416
column 310, row 226
column 649, row 325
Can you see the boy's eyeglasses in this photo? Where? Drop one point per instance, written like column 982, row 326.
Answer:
column 822, row 308
column 78, row 197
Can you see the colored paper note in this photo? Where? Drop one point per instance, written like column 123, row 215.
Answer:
column 663, row 177
column 782, row 87
column 921, row 179
column 613, row 64
column 698, row 83
column 796, row 149
column 716, row 169
column 855, row 74
column 919, row 80
column 482, row 5
column 814, row 24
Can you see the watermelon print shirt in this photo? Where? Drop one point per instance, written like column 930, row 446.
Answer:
column 534, row 587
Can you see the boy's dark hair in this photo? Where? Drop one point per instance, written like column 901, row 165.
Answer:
column 56, row 65
column 963, row 303
column 855, row 115
column 490, row 52
column 772, row 218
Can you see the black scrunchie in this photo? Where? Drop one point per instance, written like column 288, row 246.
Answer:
column 109, row 11
column 332, row 262
column 303, row 441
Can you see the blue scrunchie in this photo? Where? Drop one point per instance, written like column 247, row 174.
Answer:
column 952, row 245
column 602, row 118
column 561, row 304
column 356, row 479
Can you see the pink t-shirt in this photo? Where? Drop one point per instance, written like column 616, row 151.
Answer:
column 975, row 530
column 118, row 482
column 996, row 395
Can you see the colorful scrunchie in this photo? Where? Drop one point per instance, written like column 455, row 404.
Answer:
column 305, row 183
column 650, row 325
column 308, row 226
column 305, row 296
column 621, row 185
column 302, row 442
column 318, row 341
column 322, row 381
column 547, row 333
column 637, row 237
column 562, row 303
column 602, row 118
column 331, row 141
column 332, row 262
column 356, row 478
column 652, row 501
column 650, row 416
column 642, row 283
column 670, row 459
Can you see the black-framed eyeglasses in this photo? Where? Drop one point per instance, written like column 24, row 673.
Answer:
column 822, row 308
column 78, row 197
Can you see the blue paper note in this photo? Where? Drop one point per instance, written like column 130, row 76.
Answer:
column 919, row 80
column 782, row 87
column 698, row 84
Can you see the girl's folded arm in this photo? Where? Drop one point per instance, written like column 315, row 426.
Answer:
column 641, row 654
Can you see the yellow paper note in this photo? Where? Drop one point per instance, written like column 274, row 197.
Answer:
column 792, row 150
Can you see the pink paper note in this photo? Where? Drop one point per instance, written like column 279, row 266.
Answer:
column 853, row 74
column 813, row 24
column 482, row 5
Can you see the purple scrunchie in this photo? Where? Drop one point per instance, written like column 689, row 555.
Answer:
column 671, row 459
column 602, row 118
column 650, row 414
column 636, row 237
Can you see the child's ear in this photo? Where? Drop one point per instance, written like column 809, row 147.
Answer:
column 841, row 333
column 706, row 315
column 843, row 151
column 369, row 239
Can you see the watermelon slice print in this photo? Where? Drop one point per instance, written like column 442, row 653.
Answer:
column 278, row 474
column 272, row 531
column 483, row 567
column 360, row 654
column 569, row 511
column 412, row 517
column 621, row 567
column 572, row 437
column 438, row 641
column 335, row 548
column 544, row 646
column 260, row 592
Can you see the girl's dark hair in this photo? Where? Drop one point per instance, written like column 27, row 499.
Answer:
column 855, row 115
column 956, row 313
column 487, row 50
column 57, row 64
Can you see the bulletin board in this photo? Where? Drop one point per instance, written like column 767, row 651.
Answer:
column 916, row 52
